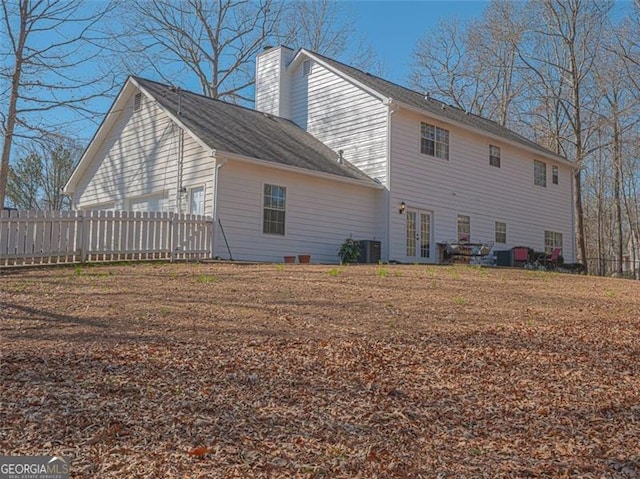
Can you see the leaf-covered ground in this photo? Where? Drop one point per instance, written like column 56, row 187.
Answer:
column 160, row 370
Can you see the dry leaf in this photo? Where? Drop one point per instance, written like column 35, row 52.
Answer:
column 199, row 451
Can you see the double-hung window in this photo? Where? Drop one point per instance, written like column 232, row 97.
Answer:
column 552, row 240
column 494, row 156
column 501, row 232
column 434, row 141
column 554, row 175
column 274, row 208
column 539, row 173
column 464, row 228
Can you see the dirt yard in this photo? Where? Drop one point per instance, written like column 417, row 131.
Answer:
column 159, row 370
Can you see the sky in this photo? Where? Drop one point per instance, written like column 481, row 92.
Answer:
column 394, row 27
column 391, row 27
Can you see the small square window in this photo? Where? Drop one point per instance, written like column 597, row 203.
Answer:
column 501, row 232
column 494, row 156
column 554, row 175
column 539, row 173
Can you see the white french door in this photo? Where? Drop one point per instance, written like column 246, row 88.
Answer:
column 418, row 236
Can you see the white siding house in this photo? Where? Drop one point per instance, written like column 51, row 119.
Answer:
column 320, row 213
column 134, row 161
column 330, row 152
column 466, row 184
column 341, row 115
column 160, row 149
column 377, row 126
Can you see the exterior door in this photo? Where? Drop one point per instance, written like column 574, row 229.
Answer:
column 418, row 236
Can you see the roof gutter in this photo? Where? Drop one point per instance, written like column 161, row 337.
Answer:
column 296, row 169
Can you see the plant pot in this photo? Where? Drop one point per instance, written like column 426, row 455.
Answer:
column 289, row 259
column 304, row 258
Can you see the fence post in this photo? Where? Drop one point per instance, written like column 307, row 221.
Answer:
column 173, row 233
column 84, row 242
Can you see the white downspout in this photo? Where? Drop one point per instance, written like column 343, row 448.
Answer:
column 391, row 109
column 217, row 164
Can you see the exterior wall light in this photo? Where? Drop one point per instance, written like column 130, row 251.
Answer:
column 403, row 206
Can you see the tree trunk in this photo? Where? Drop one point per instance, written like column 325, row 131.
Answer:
column 8, row 137
column 579, row 218
column 617, row 170
column 13, row 105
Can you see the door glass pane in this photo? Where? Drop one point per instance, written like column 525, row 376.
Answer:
column 197, row 201
column 411, row 233
column 425, row 234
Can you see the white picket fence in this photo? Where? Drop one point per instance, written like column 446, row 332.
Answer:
column 48, row 237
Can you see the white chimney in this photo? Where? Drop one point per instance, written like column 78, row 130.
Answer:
column 273, row 86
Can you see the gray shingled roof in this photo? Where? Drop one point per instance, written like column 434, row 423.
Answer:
column 235, row 129
column 418, row 100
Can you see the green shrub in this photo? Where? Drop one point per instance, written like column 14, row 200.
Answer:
column 334, row 272
column 349, row 251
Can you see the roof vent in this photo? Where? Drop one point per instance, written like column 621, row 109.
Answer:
column 427, row 96
column 443, row 106
column 137, row 102
column 340, row 156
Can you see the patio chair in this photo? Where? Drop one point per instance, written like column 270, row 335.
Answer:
column 482, row 254
column 520, row 255
column 550, row 260
column 485, row 249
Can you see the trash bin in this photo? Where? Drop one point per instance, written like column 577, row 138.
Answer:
column 504, row 258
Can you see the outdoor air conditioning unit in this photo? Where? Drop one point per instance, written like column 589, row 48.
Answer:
column 369, row 251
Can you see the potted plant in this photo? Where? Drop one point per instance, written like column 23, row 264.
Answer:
column 304, row 258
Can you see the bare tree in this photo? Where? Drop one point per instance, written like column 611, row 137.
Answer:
column 212, row 41
column 560, row 50
column 473, row 65
column 619, row 110
column 47, row 43
column 631, row 197
column 327, row 27
column 215, row 42
column 440, row 66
